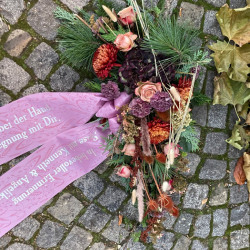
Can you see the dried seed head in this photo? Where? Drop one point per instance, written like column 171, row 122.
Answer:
column 133, row 196
column 175, row 94
column 110, row 13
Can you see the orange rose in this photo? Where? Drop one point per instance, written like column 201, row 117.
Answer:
column 125, row 42
column 127, row 15
column 147, row 89
column 129, row 149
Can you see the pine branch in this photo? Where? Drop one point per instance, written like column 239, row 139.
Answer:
column 108, row 3
column 112, row 35
column 93, row 86
column 77, row 42
column 171, row 39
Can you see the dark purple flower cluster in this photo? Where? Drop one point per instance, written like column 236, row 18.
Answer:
column 110, row 90
column 197, row 70
column 139, row 108
column 161, row 101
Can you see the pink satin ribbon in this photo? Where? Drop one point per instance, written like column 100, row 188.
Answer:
column 71, row 148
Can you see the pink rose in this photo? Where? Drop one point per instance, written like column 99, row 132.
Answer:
column 169, row 147
column 124, row 172
column 129, row 149
column 127, row 15
column 147, row 89
column 125, row 42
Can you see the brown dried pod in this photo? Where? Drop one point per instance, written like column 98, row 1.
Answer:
column 239, row 173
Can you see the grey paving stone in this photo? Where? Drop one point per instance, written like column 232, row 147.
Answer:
column 12, row 9
column 78, row 239
column 26, row 228
column 232, row 119
column 202, row 226
column 66, row 208
column 94, row 218
column 182, row 244
column 165, row 242
column 116, row 178
column 4, row 98
column 133, row 246
column 197, row 245
column 217, row 116
column 74, row 4
column 194, row 161
column 199, row 114
column 176, row 197
column 198, row 132
column 202, row 75
column 194, row 195
column 50, row 234
column 191, row 13
column 4, row 241
column 112, row 198
column 17, row 41
column 213, row 170
column 101, row 168
column 150, row 3
column 232, row 165
column 169, row 222
column 238, row 194
column 98, row 246
column 41, row 19
column 210, row 84
column 37, row 88
column 220, row 222
column 114, row 232
column 239, row 239
column 216, row 3
column 3, row 29
column 64, row 79
column 12, row 76
column 170, row 5
column 234, row 4
column 81, row 88
column 40, row 209
column 19, row 246
column 211, row 25
column 130, row 211
column 183, row 223
column 215, row 143
column 42, row 60
column 218, row 196
column 220, row 244
column 90, row 184
column 240, row 215
column 234, row 152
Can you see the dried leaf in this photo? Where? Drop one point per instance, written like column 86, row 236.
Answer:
column 204, row 201
column 248, row 119
column 235, row 23
column 120, row 220
column 227, row 91
column 239, row 138
column 239, row 173
column 227, row 56
column 246, row 168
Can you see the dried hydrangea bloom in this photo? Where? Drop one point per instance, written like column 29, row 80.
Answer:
column 161, row 101
column 139, row 108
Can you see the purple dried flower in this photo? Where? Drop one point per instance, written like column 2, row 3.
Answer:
column 197, row 70
column 110, row 90
column 161, row 101
column 139, row 108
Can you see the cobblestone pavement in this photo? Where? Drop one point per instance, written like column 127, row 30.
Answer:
column 214, row 210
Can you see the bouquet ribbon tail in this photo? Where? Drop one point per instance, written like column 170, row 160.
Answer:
column 71, row 147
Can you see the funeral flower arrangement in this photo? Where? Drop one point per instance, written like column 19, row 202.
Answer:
column 154, row 59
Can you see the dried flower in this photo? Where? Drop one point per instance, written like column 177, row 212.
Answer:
column 124, row 172
column 129, row 149
column 170, row 146
column 145, row 139
column 197, row 70
column 125, row 42
column 110, row 90
column 127, row 15
column 139, row 108
column 147, row 89
column 167, row 186
column 104, row 60
column 161, row 101
column 158, row 130
column 110, row 13
column 175, row 94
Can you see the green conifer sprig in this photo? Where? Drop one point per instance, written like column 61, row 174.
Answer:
column 77, row 42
